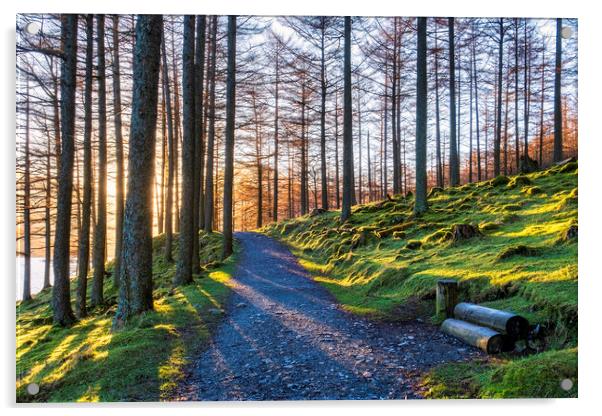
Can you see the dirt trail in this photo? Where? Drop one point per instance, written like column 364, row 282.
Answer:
column 284, row 338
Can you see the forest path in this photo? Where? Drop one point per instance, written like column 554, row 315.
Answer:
column 284, row 338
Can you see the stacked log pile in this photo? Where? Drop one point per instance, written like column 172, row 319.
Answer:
column 491, row 330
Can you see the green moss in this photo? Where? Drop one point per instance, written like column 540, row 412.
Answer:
column 399, row 235
column 520, row 250
column 512, row 207
column 143, row 361
column 519, row 180
column 535, row 276
column 532, row 190
column 534, row 376
column 489, row 226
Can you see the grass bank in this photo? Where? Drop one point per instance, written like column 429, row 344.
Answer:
column 145, row 360
column 520, row 254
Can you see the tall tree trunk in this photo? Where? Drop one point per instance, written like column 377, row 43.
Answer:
column 27, row 209
column 459, row 115
column 506, row 119
column 171, row 163
column 211, row 132
column 516, row 128
column 526, row 94
column 336, row 150
column 542, row 103
column 439, row 168
column 324, row 182
column 470, row 169
column 486, row 127
column 177, row 132
column 395, row 147
column 61, row 293
column 369, row 167
column 557, row 94
column 161, row 214
column 498, row 128
column 289, row 178
column 304, row 184
column 276, row 133
column 347, row 128
column 454, row 169
column 136, row 289
column 382, row 152
column 258, row 162
column 476, row 104
column 56, row 117
column 119, row 179
column 202, row 220
column 83, row 255
column 359, row 143
column 47, row 219
column 229, row 133
column 100, row 230
column 199, row 148
column 183, row 274
column 420, row 202
column 397, row 124
column 385, row 135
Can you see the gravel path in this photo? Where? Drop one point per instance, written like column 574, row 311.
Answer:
column 284, row 338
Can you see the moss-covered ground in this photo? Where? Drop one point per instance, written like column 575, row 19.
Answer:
column 384, row 262
column 144, row 361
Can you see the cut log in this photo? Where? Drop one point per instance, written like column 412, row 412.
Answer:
column 508, row 323
column 488, row 340
column 447, row 297
column 566, row 161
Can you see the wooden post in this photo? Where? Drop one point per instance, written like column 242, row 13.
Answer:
column 490, row 341
column 447, row 297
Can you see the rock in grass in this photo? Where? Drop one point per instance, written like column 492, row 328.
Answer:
column 317, row 211
column 571, row 232
column 520, row 250
column 499, row 180
column 414, row 244
column 464, row 232
column 531, row 190
column 389, row 231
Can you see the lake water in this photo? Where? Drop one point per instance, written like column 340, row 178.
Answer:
column 37, row 274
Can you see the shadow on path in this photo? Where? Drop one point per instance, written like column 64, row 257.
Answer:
column 285, row 339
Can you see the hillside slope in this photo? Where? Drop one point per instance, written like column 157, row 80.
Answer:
column 385, row 262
